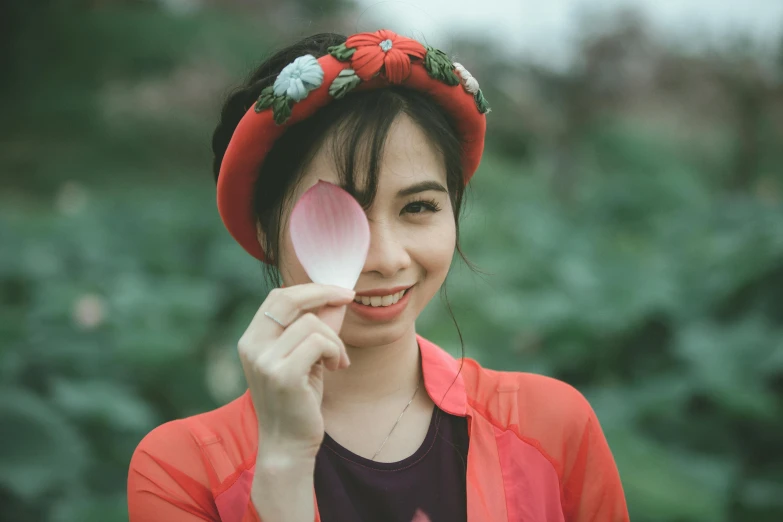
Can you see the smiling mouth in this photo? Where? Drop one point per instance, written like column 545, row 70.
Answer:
column 380, row 301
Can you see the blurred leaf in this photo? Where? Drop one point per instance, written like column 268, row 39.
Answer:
column 40, row 449
column 728, row 361
column 85, row 508
column 105, row 401
column 661, row 484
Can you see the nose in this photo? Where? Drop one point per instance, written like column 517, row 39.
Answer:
column 388, row 253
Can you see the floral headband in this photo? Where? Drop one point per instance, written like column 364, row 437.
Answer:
column 365, row 61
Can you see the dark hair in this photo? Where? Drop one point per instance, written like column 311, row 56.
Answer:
column 362, row 119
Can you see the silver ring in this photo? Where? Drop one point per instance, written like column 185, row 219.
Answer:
column 275, row 319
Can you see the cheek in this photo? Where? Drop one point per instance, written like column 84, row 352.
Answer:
column 434, row 244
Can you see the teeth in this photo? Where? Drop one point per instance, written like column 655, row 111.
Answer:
column 385, row 300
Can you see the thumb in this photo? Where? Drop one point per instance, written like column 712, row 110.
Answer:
column 333, row 316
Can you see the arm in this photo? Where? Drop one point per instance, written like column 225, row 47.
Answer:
column 592, row 488
column 283, row 488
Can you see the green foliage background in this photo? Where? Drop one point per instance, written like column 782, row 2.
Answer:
column 638, row 259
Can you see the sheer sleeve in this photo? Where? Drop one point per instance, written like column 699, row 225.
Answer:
column 167, row 480
column 591, row 484
column 197, row 468
column 564, row 427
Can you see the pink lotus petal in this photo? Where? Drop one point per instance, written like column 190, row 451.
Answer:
column 331, row 235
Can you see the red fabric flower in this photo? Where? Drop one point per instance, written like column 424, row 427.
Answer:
column 383, row 49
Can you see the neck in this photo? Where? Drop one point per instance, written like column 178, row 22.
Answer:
column 376, row 373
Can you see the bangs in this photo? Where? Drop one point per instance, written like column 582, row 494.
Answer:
column 359, row 137
column 358, row 142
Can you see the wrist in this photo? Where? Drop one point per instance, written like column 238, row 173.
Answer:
column 285, row 452
column 279, row 460
column 282, row 489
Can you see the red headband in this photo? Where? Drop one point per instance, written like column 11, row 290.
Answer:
column 364, row 61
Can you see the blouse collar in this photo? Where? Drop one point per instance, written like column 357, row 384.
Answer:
column 442, row 378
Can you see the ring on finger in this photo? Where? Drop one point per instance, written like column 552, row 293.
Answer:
column 275, row 319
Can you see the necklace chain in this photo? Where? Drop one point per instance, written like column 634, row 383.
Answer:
column 397, row 421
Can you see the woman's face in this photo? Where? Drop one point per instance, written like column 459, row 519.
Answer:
column 412, row 234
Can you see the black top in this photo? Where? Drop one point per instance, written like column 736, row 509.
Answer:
column 350, row 488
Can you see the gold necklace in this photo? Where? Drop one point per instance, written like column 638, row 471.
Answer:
column 397, row 422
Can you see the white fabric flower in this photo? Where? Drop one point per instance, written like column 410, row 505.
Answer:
column 468, row 81
column 299, row 77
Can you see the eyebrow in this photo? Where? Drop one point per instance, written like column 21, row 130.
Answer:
column 423, row 186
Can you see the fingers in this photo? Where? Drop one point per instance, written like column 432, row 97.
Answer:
column 295, row 368
column 295, row 334
column 265, row 344
column 287, row 304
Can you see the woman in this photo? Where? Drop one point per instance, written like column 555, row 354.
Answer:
column 376, row 423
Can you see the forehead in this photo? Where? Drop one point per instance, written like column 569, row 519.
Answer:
column 408, row 157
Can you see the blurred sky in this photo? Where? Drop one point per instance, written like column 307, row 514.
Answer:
column 545, row 29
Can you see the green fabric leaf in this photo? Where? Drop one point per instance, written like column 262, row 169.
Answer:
column 345, row 82
column 440, row 67
column 282, row 109
column 481, row 102
column 266, row 99
column 341, row 52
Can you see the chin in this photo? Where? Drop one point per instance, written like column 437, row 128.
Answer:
column 365, row 335
column 369, row 335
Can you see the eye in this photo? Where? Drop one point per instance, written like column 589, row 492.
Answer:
column 421, row 206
